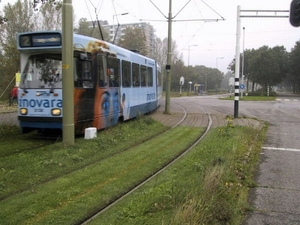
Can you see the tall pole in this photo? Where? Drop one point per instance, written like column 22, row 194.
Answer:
column 243, row 60
column 168, row 66
column 67, row 73
column 237, row 65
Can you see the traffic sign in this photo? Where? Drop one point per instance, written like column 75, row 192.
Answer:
column 242, row 86
column 181, row 81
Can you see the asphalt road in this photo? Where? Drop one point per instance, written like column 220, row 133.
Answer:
column 276, row 199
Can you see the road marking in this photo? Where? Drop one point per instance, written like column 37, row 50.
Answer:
column 287, row 100
column 282, row 149
column 278, row 133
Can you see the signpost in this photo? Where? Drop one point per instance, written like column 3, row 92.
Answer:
column 181, row 82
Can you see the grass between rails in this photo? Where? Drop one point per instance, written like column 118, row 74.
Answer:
column 29, row 168
column 71, row 194
column 209, row 185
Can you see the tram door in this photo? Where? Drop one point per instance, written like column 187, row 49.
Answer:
column 107, row 97
column 113, row 74
column 84, row 94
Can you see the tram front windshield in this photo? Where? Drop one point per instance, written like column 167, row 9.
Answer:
column 42, row 71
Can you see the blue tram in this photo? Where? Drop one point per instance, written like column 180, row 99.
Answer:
column 110, row 82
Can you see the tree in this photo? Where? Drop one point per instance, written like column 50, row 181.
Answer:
column 265, row 66
column 294, row 75
column 22, row 18
column 50, row 17
column 84, row 28
column 177, row 70
column 177, row 65
column 160, row 52
column 269, row 66
column 134, row 39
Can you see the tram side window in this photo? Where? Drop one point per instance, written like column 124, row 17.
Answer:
column 143, row 76
column 83, row 74
column 150, row 76
column 126, row 71
column 136, row 74
column 100, row 70
column 113, row 71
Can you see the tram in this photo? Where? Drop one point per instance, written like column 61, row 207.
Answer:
column 110, row 83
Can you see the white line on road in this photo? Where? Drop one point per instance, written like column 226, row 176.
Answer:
column 287, row 100
column 282, row 149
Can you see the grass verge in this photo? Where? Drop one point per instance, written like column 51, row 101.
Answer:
column 209, row 185
column 252, row 98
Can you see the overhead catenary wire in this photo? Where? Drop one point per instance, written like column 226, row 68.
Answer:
column 97, row 20
column 212, row 9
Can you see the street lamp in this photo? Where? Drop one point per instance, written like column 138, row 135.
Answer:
column 189, row 54
column 121, row 14
column 217, row 61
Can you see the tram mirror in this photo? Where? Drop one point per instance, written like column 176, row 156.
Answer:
column 82, row 56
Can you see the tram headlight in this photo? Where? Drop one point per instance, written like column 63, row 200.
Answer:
column 23, row 111
column 56, row 112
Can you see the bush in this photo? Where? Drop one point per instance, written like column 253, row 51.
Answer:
column 262, row 92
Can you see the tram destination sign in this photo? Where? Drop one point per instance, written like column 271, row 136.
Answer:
column 39, row 40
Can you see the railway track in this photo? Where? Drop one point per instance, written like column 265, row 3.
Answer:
column 188, row 118
column 186, row 115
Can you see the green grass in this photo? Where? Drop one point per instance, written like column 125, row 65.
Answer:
column 209, row 185
column 251, row 98
column 174, row 94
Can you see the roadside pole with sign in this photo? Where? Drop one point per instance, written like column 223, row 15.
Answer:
column 242, row 87
column 181, row 82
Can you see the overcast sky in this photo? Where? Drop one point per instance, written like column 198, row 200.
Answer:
column 216, row 41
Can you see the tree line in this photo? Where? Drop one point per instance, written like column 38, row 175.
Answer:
column 270, row 67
